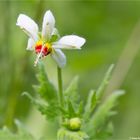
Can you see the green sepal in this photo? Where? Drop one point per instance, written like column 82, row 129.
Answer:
column 64, row 134
column 39, row 35
column 54, row 38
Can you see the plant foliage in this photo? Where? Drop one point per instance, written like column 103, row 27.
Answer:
column 81, row 120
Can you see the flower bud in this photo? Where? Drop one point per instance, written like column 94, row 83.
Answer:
column 75, row 124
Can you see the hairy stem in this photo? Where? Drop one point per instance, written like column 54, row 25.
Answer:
column 60, row 87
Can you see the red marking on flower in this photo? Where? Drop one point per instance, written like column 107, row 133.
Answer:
column 45, row 50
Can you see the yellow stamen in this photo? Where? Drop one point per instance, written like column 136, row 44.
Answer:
column 40, row 42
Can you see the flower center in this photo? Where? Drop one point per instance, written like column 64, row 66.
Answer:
column 42, row 49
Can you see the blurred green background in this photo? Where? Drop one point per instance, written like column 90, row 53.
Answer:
column 112, row 31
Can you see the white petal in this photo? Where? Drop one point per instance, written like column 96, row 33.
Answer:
column 30, row 44
column 48, row 24
column 28, row 26
column 70, row 42
column 59, row 57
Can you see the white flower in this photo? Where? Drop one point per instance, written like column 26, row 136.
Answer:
column 47, row 41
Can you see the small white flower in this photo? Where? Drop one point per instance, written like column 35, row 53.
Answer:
column 47, row 41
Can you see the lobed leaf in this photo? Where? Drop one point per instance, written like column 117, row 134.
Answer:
column 51, row 110
column 102, row 114
column 90, row 104
column 104, row 83
column 72, row 106
column 72, row 90
column 45, row 88
column 72, row 110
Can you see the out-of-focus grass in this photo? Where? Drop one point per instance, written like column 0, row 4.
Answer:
column 106, row 25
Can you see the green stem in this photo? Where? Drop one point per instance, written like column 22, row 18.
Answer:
column 60, row 87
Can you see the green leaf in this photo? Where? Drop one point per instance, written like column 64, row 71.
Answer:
column 102, row 114
column 72, row 106
column 51, row 110
column 79, row 110
column 72, row 91
column 90, row 104
column 47, row 102
column 64, row 134
column 104, row 83
column 45, row 88
column 22, row 134
column 105, row 132
column 71, row 110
